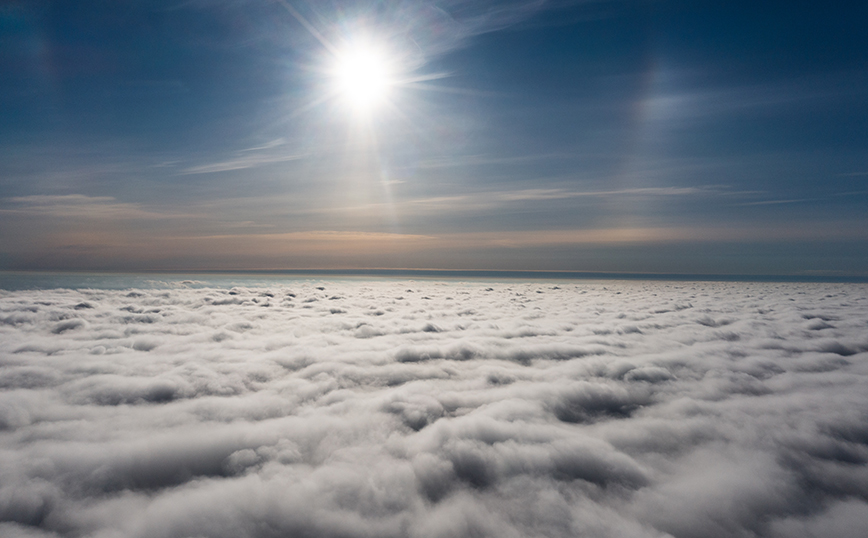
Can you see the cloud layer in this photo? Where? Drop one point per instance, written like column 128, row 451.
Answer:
column 436, row 409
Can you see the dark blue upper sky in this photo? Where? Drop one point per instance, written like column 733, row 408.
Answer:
column 642, row 136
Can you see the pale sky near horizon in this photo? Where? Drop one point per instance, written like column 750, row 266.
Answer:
column 639, row 136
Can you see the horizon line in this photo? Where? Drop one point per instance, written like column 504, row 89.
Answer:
column 476, row 273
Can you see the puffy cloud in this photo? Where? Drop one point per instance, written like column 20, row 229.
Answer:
column 435, row 409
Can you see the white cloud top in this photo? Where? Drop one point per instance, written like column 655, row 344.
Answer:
column 433, row 409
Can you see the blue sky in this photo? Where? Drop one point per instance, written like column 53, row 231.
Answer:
column 644, row 136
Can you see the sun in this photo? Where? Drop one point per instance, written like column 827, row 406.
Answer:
column 363, row 77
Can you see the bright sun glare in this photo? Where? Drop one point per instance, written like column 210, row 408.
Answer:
column 363, row 78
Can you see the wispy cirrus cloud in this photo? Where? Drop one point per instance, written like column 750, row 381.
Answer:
column 476, row 201
column 557, row 194
column 76, row 206
column 458, row 161
column 241, row 162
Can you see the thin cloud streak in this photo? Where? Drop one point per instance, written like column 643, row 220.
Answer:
column 241, row 163
column 557, row 194
column 77, row 206
column 775, row 202
column 483, row 159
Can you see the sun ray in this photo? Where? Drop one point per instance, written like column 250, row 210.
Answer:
column 308, row 26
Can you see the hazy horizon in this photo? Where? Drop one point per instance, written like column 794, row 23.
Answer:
column 107, row 280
